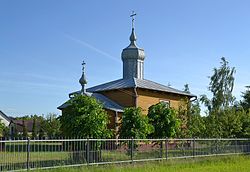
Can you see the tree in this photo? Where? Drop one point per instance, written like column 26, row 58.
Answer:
column 3, row 129
column 186, row 88
column 245, row 127
column 183, row 114
column 25, row 132
column 188, row 113
column 84, row 117
column 221, row 86
column 245, row 103
column 164, row 120
column 134, row 124
column 34, row 129
column 51, row 125
column 231, row 122
column 196, row 123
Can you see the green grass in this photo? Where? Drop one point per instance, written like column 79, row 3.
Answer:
column 213, row 164
column 21, row 157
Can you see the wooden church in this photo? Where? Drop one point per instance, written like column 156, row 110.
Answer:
column 132, row 90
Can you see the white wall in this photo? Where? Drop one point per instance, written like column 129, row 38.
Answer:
column 3, row 120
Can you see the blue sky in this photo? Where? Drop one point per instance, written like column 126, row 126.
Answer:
column 42, row 45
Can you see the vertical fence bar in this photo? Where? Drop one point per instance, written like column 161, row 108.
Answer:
column 88, row 151
column 132, row 149
column 166, row 146
column 216, row 146
column 248, row 145
column 235, row 146
column 193, row 147
column 161, row 149
column 28, row 154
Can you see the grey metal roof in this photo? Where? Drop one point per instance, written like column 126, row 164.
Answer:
column 139, row 83
column 107, row 103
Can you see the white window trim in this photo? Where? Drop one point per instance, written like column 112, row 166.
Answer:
column 167, row 102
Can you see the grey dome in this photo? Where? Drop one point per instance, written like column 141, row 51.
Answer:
column 133, row 59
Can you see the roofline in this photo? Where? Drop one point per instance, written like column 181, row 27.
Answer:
column 5, row 116
column 112, row 109
column 184, row 94
column 178, row 92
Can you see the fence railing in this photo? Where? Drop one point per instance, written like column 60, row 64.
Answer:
column 28, row 154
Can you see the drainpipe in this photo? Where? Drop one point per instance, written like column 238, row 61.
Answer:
column 116, row 123
column 136, row 95
column 195, row 98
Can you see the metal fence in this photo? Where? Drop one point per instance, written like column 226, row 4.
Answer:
column 30, row 154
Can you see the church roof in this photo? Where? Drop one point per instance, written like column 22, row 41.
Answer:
column 137, row 83
column 107, row 103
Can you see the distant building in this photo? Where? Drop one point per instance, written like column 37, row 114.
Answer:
column 16, row 126
column 132, row 90
column 4, row 119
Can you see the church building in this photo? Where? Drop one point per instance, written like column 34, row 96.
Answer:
column 132, row 90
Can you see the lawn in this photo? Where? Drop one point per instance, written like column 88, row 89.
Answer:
column 21, row 157
column 213, row 164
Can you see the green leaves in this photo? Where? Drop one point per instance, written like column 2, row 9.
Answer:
column 225, row 118
column 245, row 103
column 51, row 125
column 221, row 85
column 3, row 129
column 134, row 124
column 164, row 120
column 85, row 117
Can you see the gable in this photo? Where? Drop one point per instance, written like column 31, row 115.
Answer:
column 4, row 119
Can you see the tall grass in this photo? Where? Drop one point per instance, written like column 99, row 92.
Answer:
column 213, row 164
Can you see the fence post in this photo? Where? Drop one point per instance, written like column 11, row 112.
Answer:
column 235, row 142
column 193, row 147
column 161, row 149
column 216, row 146
column 166, row 145
column 28, row 154
column 248, row 145
column 87, row 150
column 132, row 149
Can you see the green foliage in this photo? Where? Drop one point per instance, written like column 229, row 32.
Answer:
column 245, row 103
column 134, row 124
column 226, row 123
column 221, row 114
column 164, row 120
column 85, row 117
column 186, row 88
column 231, row 123
column 221, row 86
column 51, row 125
column 183, row 114
column 196, row 123
column 25, row 132
column 245, row 124
column 3, row 129
column 31, row 117
column 34, row 129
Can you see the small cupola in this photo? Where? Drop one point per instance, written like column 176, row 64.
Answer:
column 83, row 80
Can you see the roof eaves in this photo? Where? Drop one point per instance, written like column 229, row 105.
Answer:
column 5, row 116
